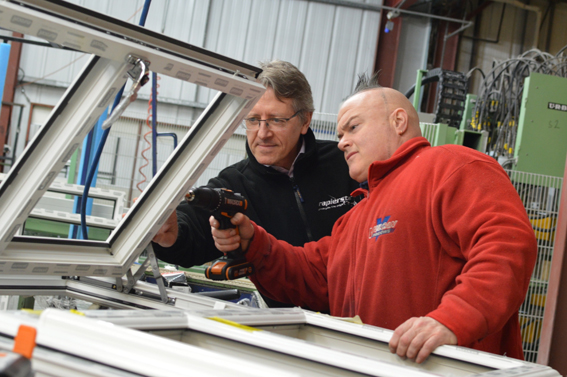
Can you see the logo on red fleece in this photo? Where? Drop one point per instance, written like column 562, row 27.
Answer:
column 383, row 226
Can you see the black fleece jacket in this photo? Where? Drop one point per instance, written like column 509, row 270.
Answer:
column 297, row 210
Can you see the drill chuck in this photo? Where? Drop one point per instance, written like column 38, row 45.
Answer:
column 217, row 200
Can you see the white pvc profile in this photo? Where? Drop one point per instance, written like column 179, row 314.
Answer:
column 26, row 255
column 372, row 342
column 462, row 355
column 262, row 348
column 118, row 349
column 319, row 338
column 73, row 218
column 116, row 197
column 69, row 25
column 112, row 258
column 47, row 362
column 70, row 121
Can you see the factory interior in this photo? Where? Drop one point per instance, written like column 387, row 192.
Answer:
column 116, row 113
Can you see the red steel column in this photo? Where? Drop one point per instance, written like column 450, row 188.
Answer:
column 9, row 88
column 553, row 342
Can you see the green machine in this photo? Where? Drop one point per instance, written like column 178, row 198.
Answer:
column 541, row 139
column 453, row 110
column 440, row 134
column 541, row 143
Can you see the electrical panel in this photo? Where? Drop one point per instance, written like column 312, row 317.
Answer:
column 541, row 144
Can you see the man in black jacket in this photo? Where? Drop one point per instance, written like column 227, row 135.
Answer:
column 296, row 186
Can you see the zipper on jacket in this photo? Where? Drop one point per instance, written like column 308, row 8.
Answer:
column 300, row 201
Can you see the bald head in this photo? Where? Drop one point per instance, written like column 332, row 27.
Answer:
column 372, row 125
column 391, row 100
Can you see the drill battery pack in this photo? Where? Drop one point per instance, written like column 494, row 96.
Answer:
column 229, row 269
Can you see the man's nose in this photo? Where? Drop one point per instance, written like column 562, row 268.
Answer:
column 343, row 143
column 264, row 130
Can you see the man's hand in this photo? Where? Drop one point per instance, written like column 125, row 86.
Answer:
column 228, row 239
column 167, row 235
column 416, row 338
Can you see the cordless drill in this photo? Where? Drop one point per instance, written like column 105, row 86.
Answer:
column 223, row 204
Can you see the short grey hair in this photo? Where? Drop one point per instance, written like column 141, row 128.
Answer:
column 288, row 82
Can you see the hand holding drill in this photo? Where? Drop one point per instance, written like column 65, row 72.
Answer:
column 224, row 205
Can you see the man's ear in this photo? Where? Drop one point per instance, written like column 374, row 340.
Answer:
column 399, row 119
column 305, row 126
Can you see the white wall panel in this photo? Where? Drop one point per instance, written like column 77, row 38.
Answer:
column 367, row 42
column 124, row 10
column 183, row 20
column 102, row 6
column 226, row 33
column 197, row 28
column 342, row 58
column 53, row 60
column 316, row 47
column 30, row 61
column 412, row 53
column 35, row 94
column 212, row 31
column 59, row 67
column 169, row 113
column 261, row 32
column 291, row 25
column 235, row 22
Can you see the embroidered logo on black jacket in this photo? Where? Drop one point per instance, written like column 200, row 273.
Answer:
column 336, row 202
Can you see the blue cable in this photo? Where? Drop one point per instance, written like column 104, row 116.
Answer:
column 145, row 13
column 154, row 123
column 88, row 144
column 92, row 171
column 171, row 134
column 103, row 138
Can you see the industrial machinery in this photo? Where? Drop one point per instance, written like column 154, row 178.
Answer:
column 452, row 110
column 521, row 104
column 451, row 94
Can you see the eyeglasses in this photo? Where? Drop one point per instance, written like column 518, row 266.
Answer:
column 253, row 124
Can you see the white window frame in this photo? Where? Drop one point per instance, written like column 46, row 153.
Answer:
column 85, row 100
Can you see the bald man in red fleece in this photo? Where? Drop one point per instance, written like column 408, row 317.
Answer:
column 441, row 249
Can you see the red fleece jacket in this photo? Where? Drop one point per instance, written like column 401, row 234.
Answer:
column 442, row 233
